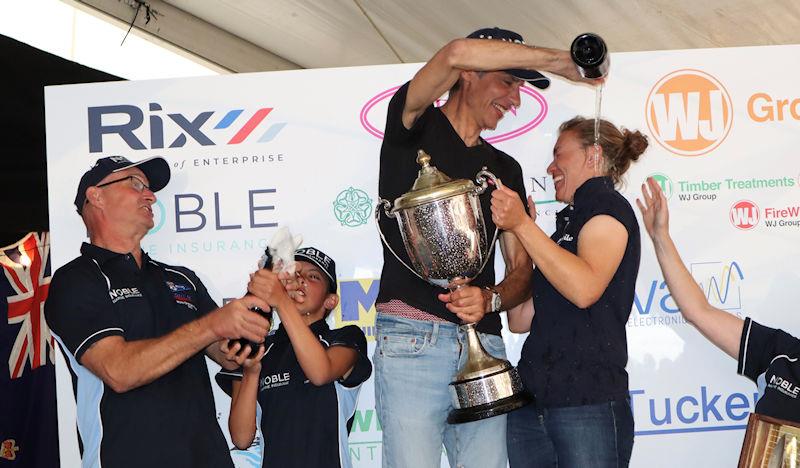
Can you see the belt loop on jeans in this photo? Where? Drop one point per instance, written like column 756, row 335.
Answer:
column 435, row 333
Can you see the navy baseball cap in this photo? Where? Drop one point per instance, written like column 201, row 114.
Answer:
column 322, row 261
column 156, row 169
column 531, row 76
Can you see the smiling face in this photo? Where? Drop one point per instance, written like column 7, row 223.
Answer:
column 572, row 165
column 490, row 95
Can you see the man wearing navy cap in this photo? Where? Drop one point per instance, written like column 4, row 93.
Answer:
column 419, row 345
column 135, row 331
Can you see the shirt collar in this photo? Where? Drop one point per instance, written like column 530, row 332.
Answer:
column 102, row 255
column 590, row 189
column 317, row 328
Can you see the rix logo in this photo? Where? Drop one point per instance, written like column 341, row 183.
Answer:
column 689, row 112
column 744, row 215
column 357, row 305
column 124, row 119
column 531, row 112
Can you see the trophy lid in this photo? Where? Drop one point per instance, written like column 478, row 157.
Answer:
column 431, row 185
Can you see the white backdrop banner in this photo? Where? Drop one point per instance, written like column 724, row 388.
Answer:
column 253, row 152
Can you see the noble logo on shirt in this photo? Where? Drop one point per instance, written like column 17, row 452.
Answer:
column 119, row 294
column 784, row 386
column 273, row 381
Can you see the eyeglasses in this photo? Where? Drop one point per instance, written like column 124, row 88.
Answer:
column 137, row 183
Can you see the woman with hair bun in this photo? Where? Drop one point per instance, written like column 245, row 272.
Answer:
column 573, row 361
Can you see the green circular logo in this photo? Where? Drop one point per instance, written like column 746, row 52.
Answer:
column 352, row 207
column 665, row 182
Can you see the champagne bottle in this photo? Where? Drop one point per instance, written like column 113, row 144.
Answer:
column 590, row 54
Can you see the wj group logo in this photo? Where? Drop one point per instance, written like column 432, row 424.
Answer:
column 744, row 215
column 689, row 112
column 664, row 182
column 124, row 120
column 352, row 207
column 531, row 112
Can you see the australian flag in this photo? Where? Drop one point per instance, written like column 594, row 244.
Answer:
column 28, row 425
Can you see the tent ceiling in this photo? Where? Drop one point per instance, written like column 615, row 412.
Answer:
column 314, row 34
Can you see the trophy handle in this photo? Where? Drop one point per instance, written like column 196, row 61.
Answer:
column 386, row 205
column 480, row 179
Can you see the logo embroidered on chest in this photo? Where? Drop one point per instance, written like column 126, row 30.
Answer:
column 784, row 386
column 274, row 381
column 182, row 294
column 118, row 294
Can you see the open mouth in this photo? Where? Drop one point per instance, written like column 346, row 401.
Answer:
column 500, row 109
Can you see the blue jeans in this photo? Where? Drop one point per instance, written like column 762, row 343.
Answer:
column 414, row 363
column 598, row 436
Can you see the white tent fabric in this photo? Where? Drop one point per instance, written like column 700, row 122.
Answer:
column 261, row 35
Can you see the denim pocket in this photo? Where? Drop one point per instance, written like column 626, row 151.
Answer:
column 493, row 345
column 392, row 345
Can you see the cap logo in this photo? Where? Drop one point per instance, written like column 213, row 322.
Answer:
column 118, row 159
column 515, row 41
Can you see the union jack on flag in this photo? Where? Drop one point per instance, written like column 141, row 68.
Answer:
column 29, row 280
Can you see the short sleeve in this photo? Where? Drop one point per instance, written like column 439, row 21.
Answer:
column 615, row 205
column 225, row 379
column 352, row 337
column 79, row 311
column 759, row 345
column 395, row 131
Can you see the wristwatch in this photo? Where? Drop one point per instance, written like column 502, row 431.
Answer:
column 496, row 302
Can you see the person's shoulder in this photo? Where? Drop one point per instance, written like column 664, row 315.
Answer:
column 350, row 333
column 76, row 269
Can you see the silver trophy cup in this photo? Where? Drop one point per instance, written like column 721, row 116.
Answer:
column 441, row 223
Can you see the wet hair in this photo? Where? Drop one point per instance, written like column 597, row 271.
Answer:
column 620, row 145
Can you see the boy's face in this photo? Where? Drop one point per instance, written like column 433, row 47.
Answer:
column 312, row 293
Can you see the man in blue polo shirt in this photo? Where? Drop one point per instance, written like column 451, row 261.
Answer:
column 135, row 331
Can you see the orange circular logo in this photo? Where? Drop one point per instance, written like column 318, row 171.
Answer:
column 689, row 112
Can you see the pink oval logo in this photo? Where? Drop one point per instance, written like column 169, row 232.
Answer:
column 525, row 118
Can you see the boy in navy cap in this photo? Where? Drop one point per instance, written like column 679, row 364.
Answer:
column 305, row 377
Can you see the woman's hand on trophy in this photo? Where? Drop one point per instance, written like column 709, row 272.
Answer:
column 508, row 212
column 467, row 302
column 267, row 286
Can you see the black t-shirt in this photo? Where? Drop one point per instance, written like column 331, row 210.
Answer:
column 168, row 422
column 433, row 133
column 577, row 356
column 773, row 353
column 305, row 425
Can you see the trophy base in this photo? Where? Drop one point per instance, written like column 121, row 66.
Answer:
column 488, row 410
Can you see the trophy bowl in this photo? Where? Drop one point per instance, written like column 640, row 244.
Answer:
column 444, row 234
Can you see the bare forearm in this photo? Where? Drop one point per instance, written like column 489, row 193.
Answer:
column 482, row 55
column 568, row 273
column 516, row 286
column 721, row 328
column 139, row 362
column 242, row 420
column 311, row 355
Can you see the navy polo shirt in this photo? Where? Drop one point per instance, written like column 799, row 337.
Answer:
column 305, row 425
column 168, row 422
column 577, row 356
column 774, row 354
